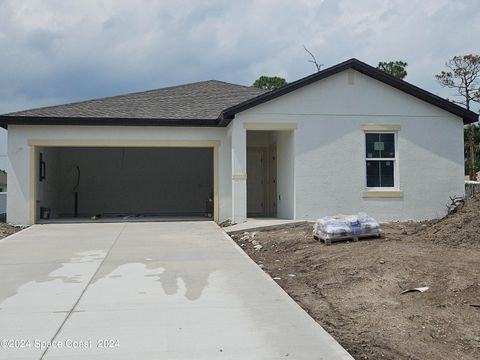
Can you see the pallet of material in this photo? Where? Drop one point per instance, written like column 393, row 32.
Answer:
column 346, row 227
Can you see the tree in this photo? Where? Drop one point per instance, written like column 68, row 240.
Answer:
column 313, row 60
column 471, row 137
column 270, row 82
column 463, row 75
column 394, row 68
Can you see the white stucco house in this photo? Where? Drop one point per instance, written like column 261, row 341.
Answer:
column 346, row 139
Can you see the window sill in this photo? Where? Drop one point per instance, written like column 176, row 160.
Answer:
column 383, row 194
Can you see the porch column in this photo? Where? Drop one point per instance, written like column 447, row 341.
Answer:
column 239, row 173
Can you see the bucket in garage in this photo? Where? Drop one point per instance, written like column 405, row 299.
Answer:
column 44, row 213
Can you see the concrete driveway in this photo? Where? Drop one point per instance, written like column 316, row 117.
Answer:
column 165, row 290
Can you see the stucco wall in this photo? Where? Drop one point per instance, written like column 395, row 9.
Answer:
column 285, row 174
column 330, row 156
column 19, row 152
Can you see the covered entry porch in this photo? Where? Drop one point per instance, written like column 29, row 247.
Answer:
column 263, row 171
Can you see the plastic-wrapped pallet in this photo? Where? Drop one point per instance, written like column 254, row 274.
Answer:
column 368, row 225
column 346, row 226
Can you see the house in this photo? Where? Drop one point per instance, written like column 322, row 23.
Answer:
column 3, row 181
column 346, row 139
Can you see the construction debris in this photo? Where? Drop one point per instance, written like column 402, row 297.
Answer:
column 418, row 289
column 248, row 237
column 455, row 204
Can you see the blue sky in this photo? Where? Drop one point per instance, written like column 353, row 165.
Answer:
column 57, row 51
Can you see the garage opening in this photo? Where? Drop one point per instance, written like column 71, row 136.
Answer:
column 124, row 183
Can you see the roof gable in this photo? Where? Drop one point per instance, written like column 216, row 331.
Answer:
column 468, row 116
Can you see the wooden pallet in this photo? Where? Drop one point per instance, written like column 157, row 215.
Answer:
column 348, row 238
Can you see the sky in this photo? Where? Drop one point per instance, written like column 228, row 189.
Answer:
column 58, row 51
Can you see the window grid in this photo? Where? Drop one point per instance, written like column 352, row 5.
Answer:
column 393, row 160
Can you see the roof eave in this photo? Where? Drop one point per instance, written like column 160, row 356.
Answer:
column 6, row 120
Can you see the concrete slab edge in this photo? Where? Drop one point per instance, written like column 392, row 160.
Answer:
column 268, row 227
column 12, row 236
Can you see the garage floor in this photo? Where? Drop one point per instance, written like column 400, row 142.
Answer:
column 122, row 219
column 164, row 290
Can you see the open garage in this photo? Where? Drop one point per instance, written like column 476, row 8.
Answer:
column 124, row 182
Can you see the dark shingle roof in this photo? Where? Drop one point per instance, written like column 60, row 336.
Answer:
column 201, row 101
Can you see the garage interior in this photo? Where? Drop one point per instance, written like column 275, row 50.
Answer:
column 124, row 183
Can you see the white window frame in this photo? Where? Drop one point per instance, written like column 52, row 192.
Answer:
column 396, row 186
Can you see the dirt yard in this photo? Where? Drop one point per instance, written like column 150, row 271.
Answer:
column 353, row 289
column 6, row 230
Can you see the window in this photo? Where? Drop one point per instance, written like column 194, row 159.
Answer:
column 381, row 160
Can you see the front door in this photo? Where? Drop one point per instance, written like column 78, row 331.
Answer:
column 256, row 181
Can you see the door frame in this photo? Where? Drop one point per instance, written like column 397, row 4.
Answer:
column 35, row 144
column 272, row 180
